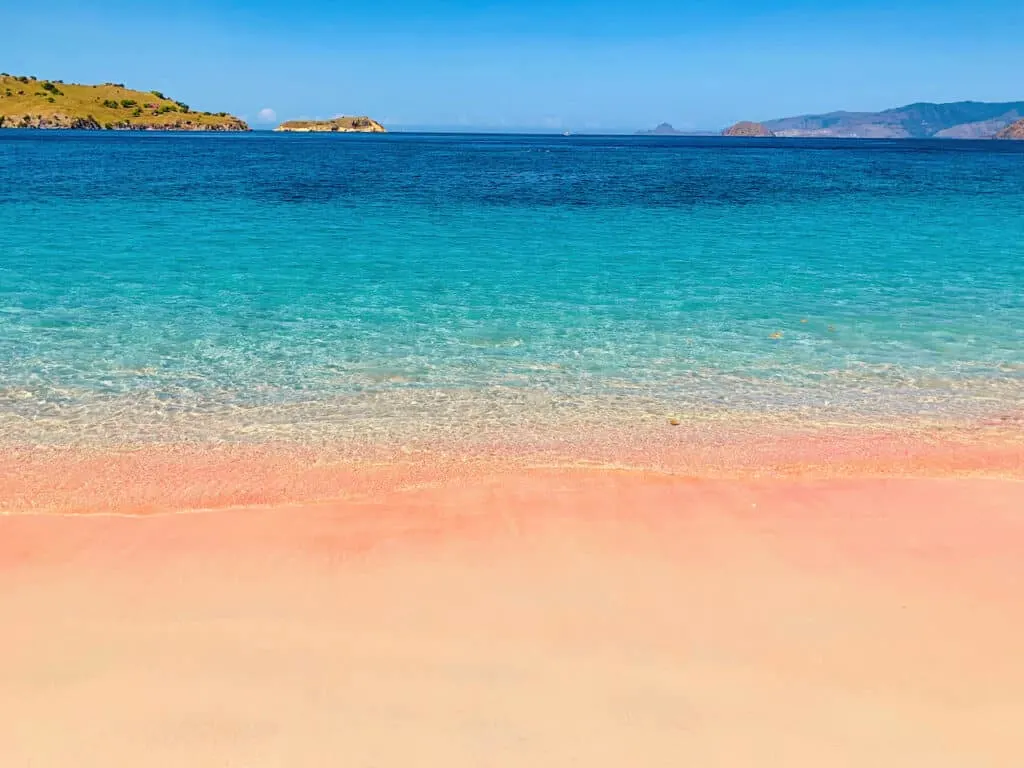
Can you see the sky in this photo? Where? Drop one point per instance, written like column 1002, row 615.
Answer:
column 587, row 66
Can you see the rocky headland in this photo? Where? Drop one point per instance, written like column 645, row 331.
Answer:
column 1012, row 131
column 28, row 102
column 748, row 129
column 360, row 124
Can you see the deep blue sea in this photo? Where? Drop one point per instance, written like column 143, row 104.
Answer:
column 267, row 285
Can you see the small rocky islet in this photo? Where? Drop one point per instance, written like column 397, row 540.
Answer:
column 359, row 124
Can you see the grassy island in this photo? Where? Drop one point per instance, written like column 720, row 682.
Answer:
column 27, row 102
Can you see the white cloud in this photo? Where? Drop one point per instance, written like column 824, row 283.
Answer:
column 267, row 115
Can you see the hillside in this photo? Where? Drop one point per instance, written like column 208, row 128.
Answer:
column 1012, row 131
column 964, row 119
column 26, row 102
column 360, row 124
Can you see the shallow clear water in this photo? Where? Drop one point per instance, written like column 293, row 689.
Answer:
column 340, row 282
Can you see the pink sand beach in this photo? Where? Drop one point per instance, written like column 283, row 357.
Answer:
column 817, row 599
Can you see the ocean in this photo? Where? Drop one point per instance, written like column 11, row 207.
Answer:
column 179, row 287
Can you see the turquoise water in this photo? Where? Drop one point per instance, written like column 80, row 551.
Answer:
column 262, row 284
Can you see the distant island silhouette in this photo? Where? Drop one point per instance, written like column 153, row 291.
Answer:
column 666, row 129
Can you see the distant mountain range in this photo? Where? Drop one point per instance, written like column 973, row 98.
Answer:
column 958, row 120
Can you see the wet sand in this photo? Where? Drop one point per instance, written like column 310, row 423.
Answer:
column 819, row 602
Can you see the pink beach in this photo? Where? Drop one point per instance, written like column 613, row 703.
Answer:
column 822, row 599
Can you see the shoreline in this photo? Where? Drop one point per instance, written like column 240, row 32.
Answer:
column 144, row 478
column 781, row 599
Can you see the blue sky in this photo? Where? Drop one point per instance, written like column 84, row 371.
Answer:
column 554, row 64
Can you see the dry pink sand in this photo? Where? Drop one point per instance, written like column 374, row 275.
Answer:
column 269, row 607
